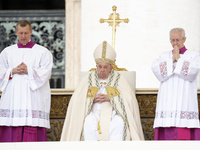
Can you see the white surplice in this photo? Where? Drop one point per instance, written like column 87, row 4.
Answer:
column 177, row 104
column 25, row 98
column 90, row 131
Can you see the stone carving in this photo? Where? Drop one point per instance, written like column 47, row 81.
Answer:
column 59, row 104
column 54, row 133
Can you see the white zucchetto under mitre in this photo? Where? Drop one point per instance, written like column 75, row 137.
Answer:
column 104, row 53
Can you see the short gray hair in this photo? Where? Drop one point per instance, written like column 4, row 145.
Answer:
column 177, row 30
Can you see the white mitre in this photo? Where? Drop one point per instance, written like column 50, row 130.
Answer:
column 104, row 53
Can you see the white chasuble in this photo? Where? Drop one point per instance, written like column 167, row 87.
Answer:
column 103, row 123
column 25, row 99
column 118, row 119
column 177, row 104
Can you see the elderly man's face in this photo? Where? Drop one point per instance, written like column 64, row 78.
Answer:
column 177, row 39
column 103, row 70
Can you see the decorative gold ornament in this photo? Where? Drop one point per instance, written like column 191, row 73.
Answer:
column 92, row 91
column 93, row 69
column 118, row 69
column 112, row 92
column 103, row 83
column 98, row 127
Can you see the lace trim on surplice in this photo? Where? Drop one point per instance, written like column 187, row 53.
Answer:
column 178, row 114
column 23, row 113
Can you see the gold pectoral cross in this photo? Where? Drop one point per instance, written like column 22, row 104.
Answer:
column 98, row 127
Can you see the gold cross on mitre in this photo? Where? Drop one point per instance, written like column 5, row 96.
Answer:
column 114, row 21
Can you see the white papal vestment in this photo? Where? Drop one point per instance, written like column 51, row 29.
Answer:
column 25, row 99
column 122, row 112
column 90, row 131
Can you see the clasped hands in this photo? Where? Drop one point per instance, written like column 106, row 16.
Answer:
column 176, row 54
column 20, row 69
column 100, row 98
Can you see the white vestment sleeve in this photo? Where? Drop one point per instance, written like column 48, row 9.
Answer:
column 188, row 67
column 38, row 76
column 4, row 71
column 162, row 67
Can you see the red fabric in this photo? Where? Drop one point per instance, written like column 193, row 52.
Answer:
column 182, row 50
column 176, row 133
column 10, row 77
column 22, row 134
column 30, row 134
column 184, row 134
column 28, row 45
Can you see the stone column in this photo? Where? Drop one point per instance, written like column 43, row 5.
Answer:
column 73, row 42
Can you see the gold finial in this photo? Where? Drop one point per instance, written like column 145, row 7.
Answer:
column 126, row 20
column 114, row 8
column 101, row 20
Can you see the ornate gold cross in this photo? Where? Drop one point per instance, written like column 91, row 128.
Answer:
column 114, row 21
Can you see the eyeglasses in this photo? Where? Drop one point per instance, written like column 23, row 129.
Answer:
column 175, row 40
